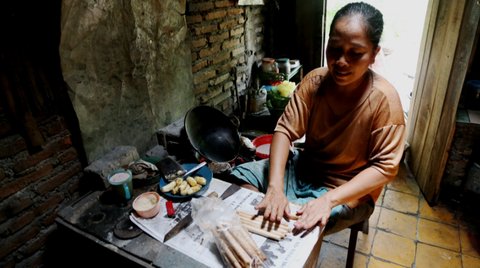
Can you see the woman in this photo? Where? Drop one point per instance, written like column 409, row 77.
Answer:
column 354, row 131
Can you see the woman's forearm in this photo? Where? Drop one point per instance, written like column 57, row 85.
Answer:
column 279, row 151
column 362, row 184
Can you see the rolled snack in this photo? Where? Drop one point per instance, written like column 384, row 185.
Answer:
column 258, row 226
column 226, row 252
column 230, row 240
column 259, row 218
column 264, row 233
column 251, row 249
column 250, row 241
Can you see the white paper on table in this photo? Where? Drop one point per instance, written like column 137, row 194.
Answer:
column 290, row 251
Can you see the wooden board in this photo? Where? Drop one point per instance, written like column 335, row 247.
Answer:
column 448, row 47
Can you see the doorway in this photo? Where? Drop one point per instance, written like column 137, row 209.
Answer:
column 400, row 44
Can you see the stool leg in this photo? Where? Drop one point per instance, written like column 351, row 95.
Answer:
column 352, row 244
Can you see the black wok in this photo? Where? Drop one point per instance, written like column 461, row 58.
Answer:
column 212, row 134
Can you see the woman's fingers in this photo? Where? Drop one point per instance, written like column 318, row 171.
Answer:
column 313, row 213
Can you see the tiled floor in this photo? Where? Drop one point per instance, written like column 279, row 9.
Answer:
column 406, row 232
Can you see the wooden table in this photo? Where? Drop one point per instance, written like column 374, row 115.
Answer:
column 94, row 219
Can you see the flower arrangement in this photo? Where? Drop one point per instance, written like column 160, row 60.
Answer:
column 278, row 96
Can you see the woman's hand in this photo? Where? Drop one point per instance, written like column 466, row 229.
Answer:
column 274, row 205
column 315, row 212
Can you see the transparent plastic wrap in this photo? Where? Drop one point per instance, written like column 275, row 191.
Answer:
column 224, row 228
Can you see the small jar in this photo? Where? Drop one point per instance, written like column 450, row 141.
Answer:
column 284, row 65
column 269, row 65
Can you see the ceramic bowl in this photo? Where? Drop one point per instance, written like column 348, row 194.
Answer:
column 147, row 205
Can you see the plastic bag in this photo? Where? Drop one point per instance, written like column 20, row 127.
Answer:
column 233, row 241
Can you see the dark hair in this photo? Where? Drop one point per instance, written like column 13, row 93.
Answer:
column 372, row 16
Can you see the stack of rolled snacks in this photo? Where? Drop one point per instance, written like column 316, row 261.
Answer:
column 258, row 225
column 236, row 246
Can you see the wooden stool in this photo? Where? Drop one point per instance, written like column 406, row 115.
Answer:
column 352, row 244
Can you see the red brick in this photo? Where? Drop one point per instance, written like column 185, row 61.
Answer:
column 37, row 243
column 200, row 88
column 237, row 31
column 14, row 205
column 221, row 57
column 194, row 19
column 235, row 11
column 199, row 42
column 51, row 203
column 218, row 37
column 50, row 217
column 225, row 3
column 228, row 24
column 199, row 65
column 68, row 155
column 12, row 145
column 20, row 183
column 230, row 44
column 16, row 240
column 238, row 52
column 205, row 29
column 209, row 51
column 226, row 67
column 16, row 223
column 73, row 186
column 58, row 179
column 220, row 79
column 53, row 146
column 52, row 126
column 216, row 15
column 203, row 6
column 203, row 76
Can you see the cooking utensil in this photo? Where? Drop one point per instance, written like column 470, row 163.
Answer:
column 212, row 134
column 195, row 168
column 170, row 168
column 187, row 220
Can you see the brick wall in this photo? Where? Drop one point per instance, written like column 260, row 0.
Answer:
column 33, row 187
column 223, row 50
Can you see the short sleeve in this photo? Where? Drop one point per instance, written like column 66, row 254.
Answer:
column 387, row 145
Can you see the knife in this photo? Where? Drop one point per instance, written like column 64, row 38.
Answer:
column 187, row 220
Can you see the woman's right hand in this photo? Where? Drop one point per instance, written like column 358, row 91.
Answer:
column 274, row 205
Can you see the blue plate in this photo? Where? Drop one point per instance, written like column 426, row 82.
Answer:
column 203, row 171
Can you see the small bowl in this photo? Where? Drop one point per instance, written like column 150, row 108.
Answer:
column 147, row 205
column 262, row 144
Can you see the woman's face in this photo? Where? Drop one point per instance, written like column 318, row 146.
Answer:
column 349, row 52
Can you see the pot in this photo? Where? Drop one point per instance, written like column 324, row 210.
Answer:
column 212, row 134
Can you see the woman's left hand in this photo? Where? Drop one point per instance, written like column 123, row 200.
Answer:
column 315, row 212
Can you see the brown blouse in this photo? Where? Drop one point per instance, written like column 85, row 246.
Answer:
column 339, row 147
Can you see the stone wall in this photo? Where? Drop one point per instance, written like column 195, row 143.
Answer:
column 209, row 64
column 134, row 67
